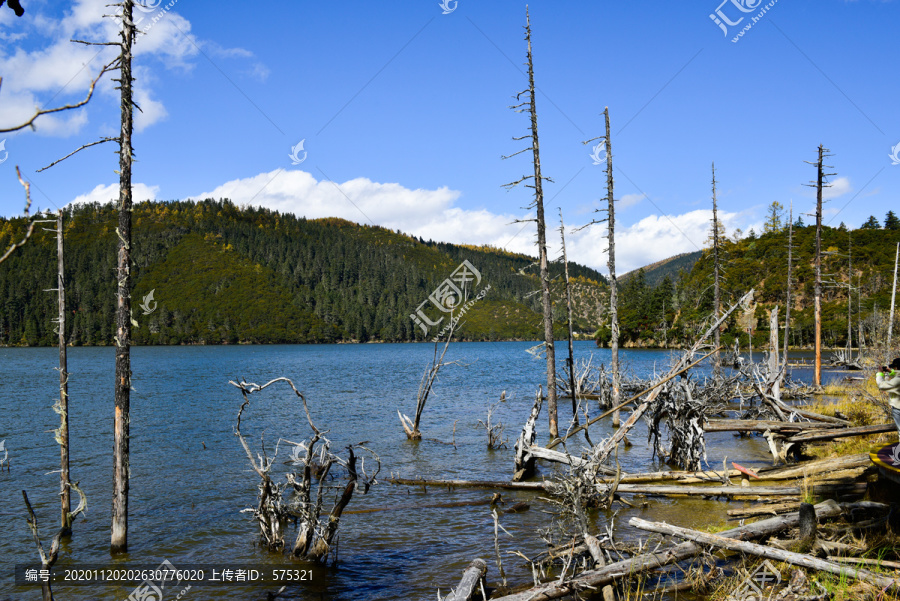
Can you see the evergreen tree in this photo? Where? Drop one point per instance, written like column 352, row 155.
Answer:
column 773, row 222
column 871, row 224
column 891, row 221
column 799, row 223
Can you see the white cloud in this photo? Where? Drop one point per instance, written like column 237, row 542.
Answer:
column 838, row 188
column 104, row 194
column 54, row 71
column 629, row 200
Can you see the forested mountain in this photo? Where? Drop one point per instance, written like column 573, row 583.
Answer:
column 665, row 313
column 224, row 274
column 672, row 267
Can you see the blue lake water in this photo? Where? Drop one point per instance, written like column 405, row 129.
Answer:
column 190, row 477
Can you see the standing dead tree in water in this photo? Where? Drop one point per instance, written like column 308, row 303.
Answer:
column 717, row 293
column 315, row 534
column 411, row 426
column 524, row 461
column 819, row 184
column 611, row 262
column 530, row 106
column 570, row 361
column 494, row 431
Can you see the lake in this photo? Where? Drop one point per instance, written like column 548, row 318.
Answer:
column 190, row 477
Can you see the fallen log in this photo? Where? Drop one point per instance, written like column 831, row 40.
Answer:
column 817, row 466
column 798, row 559
column 761, row 425
column 560, row 457
column 538, row 486
column 831, row 435
column 768, row 509
column 736, row 491
column 472, row 575
column 593, row 579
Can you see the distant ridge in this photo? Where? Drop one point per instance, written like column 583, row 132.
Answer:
column 654, row 273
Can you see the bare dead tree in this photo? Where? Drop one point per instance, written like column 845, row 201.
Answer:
column 529, row 106
column 611, row 266
column 819, row 184
column 570, row 361
column 494, row 431
column 426, row 384
column 49, row 559
column 315, row 534
column 121, row 454
column 787, row 300
column 717, row 298
column 62, row 405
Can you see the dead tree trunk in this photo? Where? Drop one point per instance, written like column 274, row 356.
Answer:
column 717, row 298
column 524, row 466
column 611, row 265
column 571, row 360
column 411, row 426
column 776, row 374
column 530, row 107
column 787, row 300
column 121, row 467
column 893, row 298
column 820, row 183
column 63, row 410
column 471, row 578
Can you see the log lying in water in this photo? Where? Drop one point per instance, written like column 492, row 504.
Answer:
column 787, row 507
column 843, row 433
column 538, row 486
column 761, row 425
column 666, row 556
column 470, row 579
column 799, row 559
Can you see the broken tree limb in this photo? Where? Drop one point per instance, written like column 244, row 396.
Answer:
column 593, row 579
column 472, row 575
column 524, row 466
column 616, row 438
column 831, row 435
column 761, row 425
column 593, row 420
column 799, row 559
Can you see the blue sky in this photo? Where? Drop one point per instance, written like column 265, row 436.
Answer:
column 403, row 114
